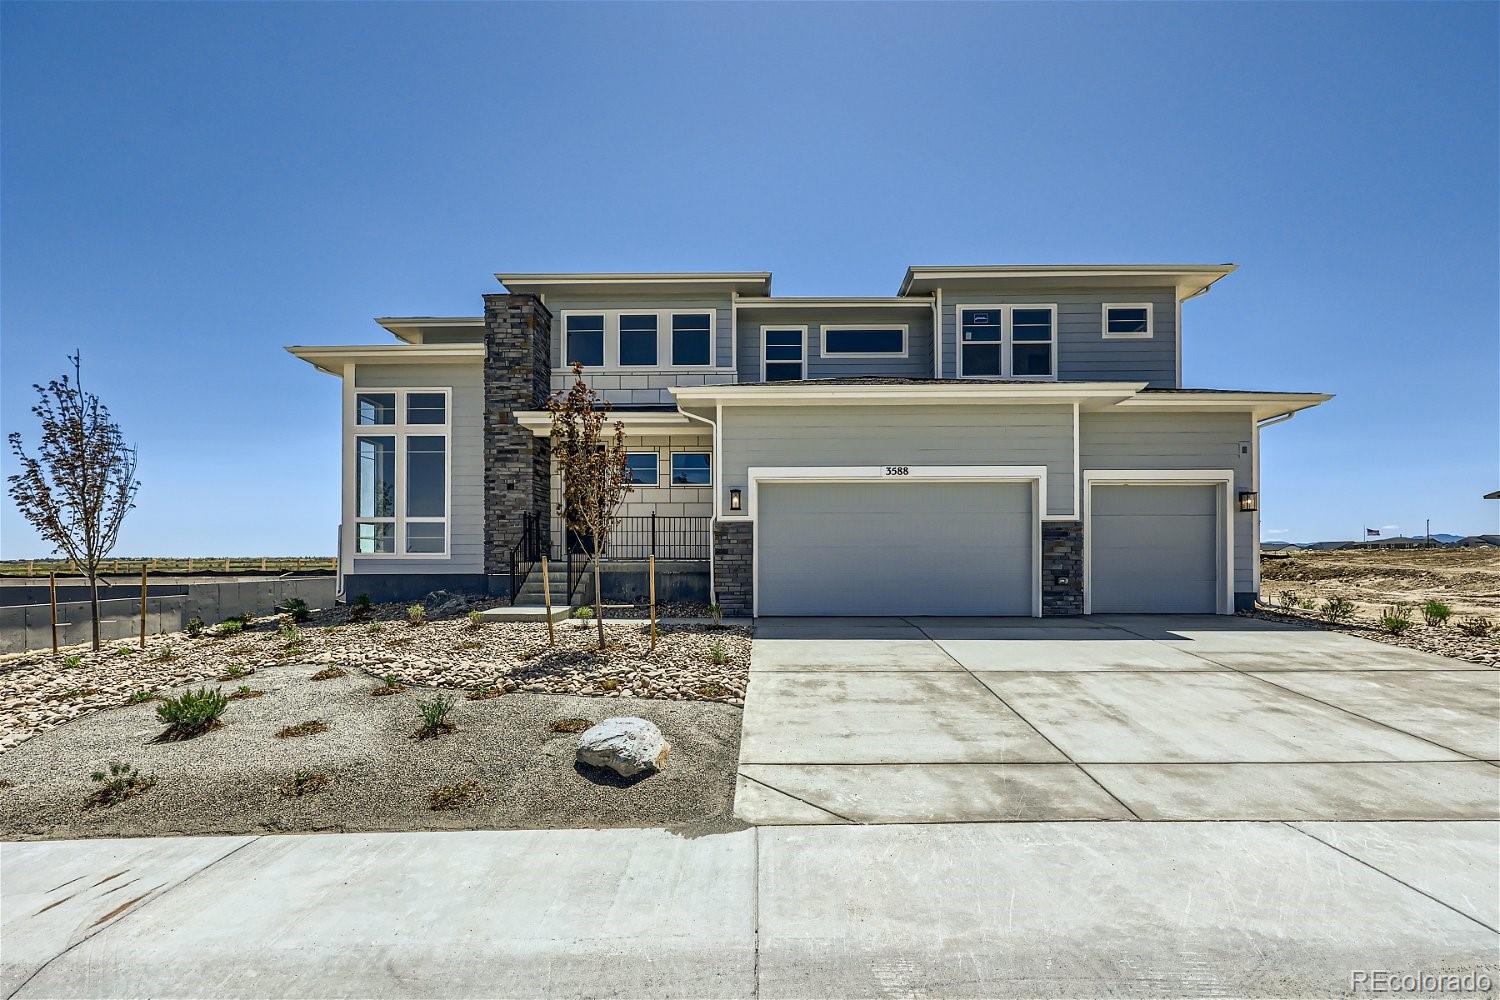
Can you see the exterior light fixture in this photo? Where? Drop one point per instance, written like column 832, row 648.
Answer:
column 734, row 499
column 1249, row 500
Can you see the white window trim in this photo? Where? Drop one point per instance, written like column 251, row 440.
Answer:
column 612, row 365
column 629, row 453
column 889, row 355
column 620, row 333
column 562, row 325
column 671, row 479
column 1222, row 478
column 1007, row 339
column 1150, row 321
column 1036, row 475
column 400, row 431
column 713, row 336
column 781, row 329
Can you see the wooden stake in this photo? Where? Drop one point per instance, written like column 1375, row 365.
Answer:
column 143, row 605
column 651, row 568
column 52, row 580
column 547, row 600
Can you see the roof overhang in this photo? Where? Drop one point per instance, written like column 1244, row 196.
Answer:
column 413, row 328
column 1187, row 279
column 1262, row 405
column 659, row 282
column 813, row 302
column 1089, row 394
column 333, row 359
column 637, row 424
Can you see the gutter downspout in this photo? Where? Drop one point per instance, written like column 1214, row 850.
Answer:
column 714, row 424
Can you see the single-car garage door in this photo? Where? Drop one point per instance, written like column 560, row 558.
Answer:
column 1154, row 549
column 894, row 548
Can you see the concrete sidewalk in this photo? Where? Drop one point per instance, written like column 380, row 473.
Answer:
column 1022, row 909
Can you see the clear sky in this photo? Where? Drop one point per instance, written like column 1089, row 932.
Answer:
column 184, row 189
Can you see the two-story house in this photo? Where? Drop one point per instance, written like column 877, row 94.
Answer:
column 991, row 440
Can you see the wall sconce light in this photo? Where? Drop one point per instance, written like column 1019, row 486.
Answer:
column 734, row 499
column 1249, row 500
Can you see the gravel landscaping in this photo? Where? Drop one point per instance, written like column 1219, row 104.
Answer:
column 1444, row 640
column 507, row 763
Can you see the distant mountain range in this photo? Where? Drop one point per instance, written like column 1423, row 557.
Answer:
column 1440, row 537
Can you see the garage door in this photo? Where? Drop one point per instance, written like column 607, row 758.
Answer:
column 894, row 548
column 1154, row 549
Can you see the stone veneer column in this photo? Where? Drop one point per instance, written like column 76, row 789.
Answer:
column 734, row 584
column 1062, row 560
column 517, row 464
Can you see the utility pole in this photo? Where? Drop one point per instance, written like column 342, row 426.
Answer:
column 1429, row 532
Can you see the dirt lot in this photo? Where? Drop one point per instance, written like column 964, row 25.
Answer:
column 1468, row 579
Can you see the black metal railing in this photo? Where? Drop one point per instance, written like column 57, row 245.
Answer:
column 636, row 537
column 527, row 552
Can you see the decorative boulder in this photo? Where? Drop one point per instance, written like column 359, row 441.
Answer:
column 625, row 745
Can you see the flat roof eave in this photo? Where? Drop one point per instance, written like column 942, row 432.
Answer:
column 742, row 282
column 1188, row 279
column 333, row 358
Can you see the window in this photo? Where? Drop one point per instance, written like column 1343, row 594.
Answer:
column 585, row 340
column 864, row 341
column 1128, row 321
column 785, row 351
column 1007, row 341
column 401, row 481
column 640, row 468
column 690, row 468
column 691, row 339
column 637, row 339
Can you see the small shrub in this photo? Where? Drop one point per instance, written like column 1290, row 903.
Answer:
column 228, row 627
column 435, row 716
column 389, row 685
column 1396, row 619
column 166, row 654
column 244, row 691
column 583, row 613
column 289, row 633
column 191, row 713
column 476, row 619
column 1307, row 604
column 73, row 662
column 1436, row 613
column 712, row 689
column 484, row 694
column 470, row 644
column 140, row 697
column 376, row 628
column 361, row 606
column 304, row 783
column 716, row 612
column 296, row 607
column 718, row 654
column 329, row 674
column 122, row 782
column 569, row 725
column 311, row 727
column 1289, row 600
column 194, row 627
column 235, row 672
column 1338, row 609
column 247, row 619
column 1476, row 627
column 454, row 796
column 124, row 651
column 610, row 684
column 416, row 614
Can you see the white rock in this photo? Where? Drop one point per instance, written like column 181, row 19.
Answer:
column 625, row 745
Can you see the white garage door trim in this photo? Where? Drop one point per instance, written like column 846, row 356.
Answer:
column 1036, row 475
column 1222, row 478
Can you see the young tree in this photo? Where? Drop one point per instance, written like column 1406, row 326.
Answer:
column 590, row 455
column 79, row 487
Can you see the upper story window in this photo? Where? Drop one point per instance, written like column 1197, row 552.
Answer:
column 1127, row 321
column 692, row 339
column 864, row 341
column 1007, row 341
column 690, row 468
column 641, row 468
column 784, row 354
column 638, row 340
column 375, row 408
column 401, row 482
column 426, row 408
column 584, row 340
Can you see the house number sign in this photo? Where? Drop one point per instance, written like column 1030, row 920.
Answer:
column 898, row 470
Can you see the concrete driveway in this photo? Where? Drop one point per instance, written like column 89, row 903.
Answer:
column 1109, row 718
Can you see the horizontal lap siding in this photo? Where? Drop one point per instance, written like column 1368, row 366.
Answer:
column 900, row 435
column 1083, row 353
column 916, row 364
column 466, row 439
column 664, row 500
column 1178, row 441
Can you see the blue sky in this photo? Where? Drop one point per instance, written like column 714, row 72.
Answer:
column 187, row 188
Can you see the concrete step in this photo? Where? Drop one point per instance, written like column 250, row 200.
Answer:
column 525, row 613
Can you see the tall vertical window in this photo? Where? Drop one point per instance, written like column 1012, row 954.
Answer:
column 637, row 339
column 692, row 339
column 1007, row 341
column 401, row 482
column 585, row 340
column 980, row 341
column 1031, row 341
column 785, row 354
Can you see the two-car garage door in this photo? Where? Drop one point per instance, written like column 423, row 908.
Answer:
column 895, row 548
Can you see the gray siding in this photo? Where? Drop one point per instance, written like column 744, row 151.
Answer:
column 1082, row 352
column 1179, row 441
column 638, row 385
column 916, row 364
column 664, row 499
column 466, row 530
column 899, row 435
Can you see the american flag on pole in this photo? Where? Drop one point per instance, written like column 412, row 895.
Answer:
column 1372, row 532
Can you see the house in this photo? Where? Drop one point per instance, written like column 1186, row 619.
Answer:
column 1478, row 541
column 990, row 440
column 1281, row 548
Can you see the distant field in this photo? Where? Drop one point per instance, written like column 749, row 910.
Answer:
column 205, row 564
column 1468, row 579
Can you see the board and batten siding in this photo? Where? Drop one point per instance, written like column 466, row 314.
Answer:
column 466, row 443
column 644, row 385
column 1180, row 441
column 1083, row 353
column 898, row 435
column 916, row 364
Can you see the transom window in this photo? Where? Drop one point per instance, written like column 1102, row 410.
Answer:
column 637, row 339
column 692, row 339
column 401, row 482
column 585, row 340
column 785, row 354
column 864, row 342
column 1127, row 321
column 641, row 468
column 1007, row 341
column 690, row 468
